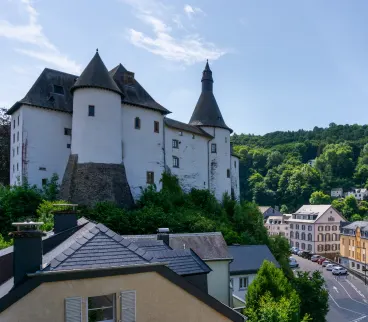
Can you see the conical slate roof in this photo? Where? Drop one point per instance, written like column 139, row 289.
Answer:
column 96, row 75
column 207, row 112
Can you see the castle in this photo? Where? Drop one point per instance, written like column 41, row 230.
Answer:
column 107, row 138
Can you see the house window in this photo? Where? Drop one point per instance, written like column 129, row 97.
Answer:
column 13, row 137
column 44, row 181
column 150, row 177
column 175, row 162
column 68, row 146
column 17, row 150
column 228, row 173
column 309, row 247
column 67, row 131
column 327, row 228
column 91, row 110
column 156, row 127
column 352, row 264
column 18, row 136
column 175, row 144
column 101, row 308
column 137, row 123
column 17, row 166
column 213, row 148
column 303, row 227
column 310, row 228
column 291, row 226
column 42, row 168
column 243, row 283
column 58, row 89
column 334, row 228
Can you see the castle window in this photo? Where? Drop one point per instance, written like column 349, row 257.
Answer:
column 13, row 152
column 234, row 164
column 150, row 177
column 137, row 123
column 13, row 137
column 175, row 144
column 225, row 139
column 68, row 146
column 17, row 150
column 180, row 133
column 175, row 162
column 228, row 173
column 156, row 127
column 213, row 148
column 42, row 168
column 44, row 181
column 129, row 78
column 18, row 136
column 67, row 131
column 91, row 110
column 14, row 124
column 17, row 166
column 18, row 119
column 193, row 136
column 58, row 89
column 13, row 168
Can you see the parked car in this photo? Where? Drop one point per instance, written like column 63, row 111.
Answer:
column 321, row 260
column 299, row 253
column 315, row 258
column 330, row 267
column 325, row 263
column 293, row 263
column 294, row 250
column 338, row 270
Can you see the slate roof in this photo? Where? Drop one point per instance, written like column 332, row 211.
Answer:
column 208, row 246
column 152, row 245
column 135, row 94
column 318, row 210
column 355, row 224
column 41, row 93
column 207, row 112
column 186, row 127
column 249, row 258
column 96, row 75
column 263, row 209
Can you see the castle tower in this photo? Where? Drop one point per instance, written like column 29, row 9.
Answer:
column 207, row 116
column 95, row 170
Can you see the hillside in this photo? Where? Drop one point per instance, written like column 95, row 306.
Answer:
column 274, row 169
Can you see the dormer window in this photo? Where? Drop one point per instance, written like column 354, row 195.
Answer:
column 129, row 78
column 58, row 89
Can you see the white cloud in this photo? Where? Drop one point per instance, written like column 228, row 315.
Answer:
column 32, row 33
column 191, row 11
column 188, row 49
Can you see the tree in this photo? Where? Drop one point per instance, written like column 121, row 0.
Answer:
column 319, row 198
column 4, row 147
column 313, row 295
column 356, row 217
column 280, row 248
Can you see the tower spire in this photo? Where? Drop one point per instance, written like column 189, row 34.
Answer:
column 207, row 80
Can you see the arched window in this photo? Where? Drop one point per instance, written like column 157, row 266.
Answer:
column 334, row 228
column 297, row 244
column 327, row 247
column 291, row 243
column 327, row 228
column 310, row 237
column 297, row 235
column 309, row 247
column 320, row 237
column 303, row 246
column 320, row 248
column 291, row 234
column 328, row 237
column 303, row 236
column 334, row 236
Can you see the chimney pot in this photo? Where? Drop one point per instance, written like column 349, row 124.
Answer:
column 163, row 234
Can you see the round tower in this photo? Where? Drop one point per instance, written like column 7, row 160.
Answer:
column 207, row 116
column 96, row 124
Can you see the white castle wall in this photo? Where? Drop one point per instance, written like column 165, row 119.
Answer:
column 142, row 148
column 193, row 158
column 97, row 138
column 234, row 169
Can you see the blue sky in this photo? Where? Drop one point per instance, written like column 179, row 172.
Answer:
column 277, row 65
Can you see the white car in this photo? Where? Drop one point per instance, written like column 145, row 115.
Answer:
column 330, row 267
column 325, row 263
column 338, row 270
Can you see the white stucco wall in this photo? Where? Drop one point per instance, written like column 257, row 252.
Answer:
column 44, row 142
column 218, row 280
column 142, row 148
column 16, row 147
column 234, row 170
column 236, row 290
column 219, row 162
column 193, row 158
column 97, row 138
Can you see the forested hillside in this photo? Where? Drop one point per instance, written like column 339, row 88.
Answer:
column 274, row 168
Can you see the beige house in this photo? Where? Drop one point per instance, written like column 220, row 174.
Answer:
column 92, row 274
column 315, row 228
column 278, row 225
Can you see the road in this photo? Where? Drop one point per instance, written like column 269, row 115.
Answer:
column 348, row 294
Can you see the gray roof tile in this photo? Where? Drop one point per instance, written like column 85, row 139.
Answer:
column 186, row 127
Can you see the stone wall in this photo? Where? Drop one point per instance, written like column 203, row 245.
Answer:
column 88, row 183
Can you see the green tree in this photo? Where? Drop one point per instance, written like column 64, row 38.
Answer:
column 319, row 198
column 356, row 217
column 350, row 207
column 274, row 159
column 313, row 295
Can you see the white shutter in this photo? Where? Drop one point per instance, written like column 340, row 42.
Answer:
column 73, row 309
column 127, row 303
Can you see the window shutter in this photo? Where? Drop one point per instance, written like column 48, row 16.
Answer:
column 73, row 309
column 127, row 302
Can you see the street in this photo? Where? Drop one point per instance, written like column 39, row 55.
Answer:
column 348, row 294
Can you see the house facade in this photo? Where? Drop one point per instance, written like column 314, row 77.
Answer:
column 267, row 211
column 104, row 123
column 315, row 228
column 359, row 194
column 278, row 225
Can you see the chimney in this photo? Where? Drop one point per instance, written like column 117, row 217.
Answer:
column 163, row 234
column 65, row 218
column 27, row 254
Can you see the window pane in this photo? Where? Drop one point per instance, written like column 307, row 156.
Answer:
column 97, row 315
column 100, row 301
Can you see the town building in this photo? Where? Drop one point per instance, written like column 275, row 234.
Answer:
column 243, row 269
column 83, row 270
column 212, row 249
column 354, row 245
column 312, row 162
column 315, row 228
column 108, row 139
column 359, row 194
column 267, row 211
column 278, row 225
column 337, row 193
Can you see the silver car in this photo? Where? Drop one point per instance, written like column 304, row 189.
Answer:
column 338, row 270
column 325, row 263
column 330, row 267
